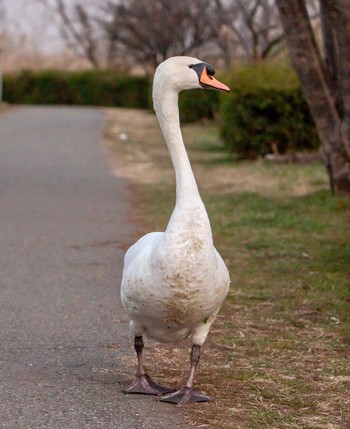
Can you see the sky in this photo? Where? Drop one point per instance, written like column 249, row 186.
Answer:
column 28, row 19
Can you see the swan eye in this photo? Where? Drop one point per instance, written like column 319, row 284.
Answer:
column 198, row 68
column 210, row 69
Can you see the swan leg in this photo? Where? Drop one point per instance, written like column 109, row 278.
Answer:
column 186, row 394
column 143, row 383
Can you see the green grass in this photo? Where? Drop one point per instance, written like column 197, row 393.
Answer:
column 289, row 260
column 278, row 354
column 292, row 250
column 287, row 316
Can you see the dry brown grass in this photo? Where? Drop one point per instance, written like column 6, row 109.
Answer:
column 24, row 54
column 143, row 158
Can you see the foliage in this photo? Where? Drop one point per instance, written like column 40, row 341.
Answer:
column 198, row 104
column 100, row 88
column 266, row 112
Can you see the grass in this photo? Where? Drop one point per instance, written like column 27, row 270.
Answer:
column 278, row 354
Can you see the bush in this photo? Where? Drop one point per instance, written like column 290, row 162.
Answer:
column 29, row 87
column 198, row 104
column 266, row 112
column 100, row 88
column 195, row 104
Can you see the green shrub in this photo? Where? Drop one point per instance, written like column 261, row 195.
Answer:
column 100, row 88
column 265, row 110
column 197, row 104
column 85, row 88
column 49, row 87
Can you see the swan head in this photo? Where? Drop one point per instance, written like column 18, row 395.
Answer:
column 181, row 73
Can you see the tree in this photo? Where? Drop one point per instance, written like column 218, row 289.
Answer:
column 144, row 32
column 78, row 31
column 262, row 27
column 325, row 79
column 152, row 31
column 79, row 26
column 2, row 42
column 2, row 23
column 249, row 29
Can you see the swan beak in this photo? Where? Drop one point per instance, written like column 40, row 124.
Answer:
column 210, row 81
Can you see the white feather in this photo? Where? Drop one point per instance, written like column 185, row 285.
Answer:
column 174, row 282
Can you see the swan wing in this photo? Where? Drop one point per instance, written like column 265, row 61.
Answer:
column 136, row 249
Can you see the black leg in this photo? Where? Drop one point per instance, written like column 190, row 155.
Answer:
column 186, row 394
column 143, row 383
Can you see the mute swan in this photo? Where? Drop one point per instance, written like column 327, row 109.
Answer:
column 174, row 282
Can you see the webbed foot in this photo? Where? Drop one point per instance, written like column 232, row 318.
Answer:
column 143, row 384
column 184, row 396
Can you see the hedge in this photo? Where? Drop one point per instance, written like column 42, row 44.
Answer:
column 197, row 104
column 266, row 111
column 98, row 88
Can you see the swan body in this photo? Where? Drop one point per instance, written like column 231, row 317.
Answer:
column 175, row 281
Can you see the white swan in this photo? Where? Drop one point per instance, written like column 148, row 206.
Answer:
column 174, row 282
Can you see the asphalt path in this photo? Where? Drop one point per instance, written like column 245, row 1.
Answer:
column 64, row 338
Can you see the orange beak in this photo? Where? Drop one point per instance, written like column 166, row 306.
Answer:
column 210, row 81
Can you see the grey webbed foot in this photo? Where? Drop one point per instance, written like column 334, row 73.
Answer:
column 184, row 396
column 143, row 384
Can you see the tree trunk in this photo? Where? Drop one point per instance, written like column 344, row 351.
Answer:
column 342, row 26
column 318, row 91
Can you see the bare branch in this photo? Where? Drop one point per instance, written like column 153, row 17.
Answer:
column 152, row 31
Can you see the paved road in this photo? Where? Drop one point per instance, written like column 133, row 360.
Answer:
column 64, row 338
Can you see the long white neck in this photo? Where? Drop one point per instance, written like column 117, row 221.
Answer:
column 166, row 107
